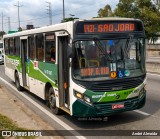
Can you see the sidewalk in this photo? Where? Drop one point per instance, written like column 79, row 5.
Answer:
column 21, row 115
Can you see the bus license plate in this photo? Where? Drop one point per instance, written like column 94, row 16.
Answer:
column 117, row 106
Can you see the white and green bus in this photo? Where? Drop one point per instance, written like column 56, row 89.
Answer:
column 87, row 68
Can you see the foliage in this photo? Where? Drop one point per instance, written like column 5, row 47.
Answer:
column 69, row 19
column 2, row 33
column 146, row 10
column 19, row 29
column 105, row 12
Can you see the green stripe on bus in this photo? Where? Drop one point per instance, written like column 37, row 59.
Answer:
column 108, row 96
column 45, row 72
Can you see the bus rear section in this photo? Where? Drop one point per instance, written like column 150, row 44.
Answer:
column 108, row 67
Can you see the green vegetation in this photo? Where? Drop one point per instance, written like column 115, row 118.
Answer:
column 147, row 10
column 71, row 18
column 105, row 12
column 8, row 124
column 2, row 33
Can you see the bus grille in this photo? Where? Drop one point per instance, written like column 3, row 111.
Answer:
column 116, row 85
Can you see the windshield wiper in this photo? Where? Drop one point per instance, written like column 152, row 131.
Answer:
column 127, row 46
column 101, row 48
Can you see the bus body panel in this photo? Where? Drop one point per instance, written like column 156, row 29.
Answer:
column 81, row 109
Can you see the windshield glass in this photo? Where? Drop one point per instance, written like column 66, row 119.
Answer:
column 108, row 59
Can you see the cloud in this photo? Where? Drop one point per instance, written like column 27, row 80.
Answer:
column 34, row 11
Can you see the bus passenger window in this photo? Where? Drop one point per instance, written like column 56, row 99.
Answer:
column 39, row 47
column 31, row 47
column 53, row 58
column 11, row 44
column 6, row 46
column 17, row 46
column 50, row 51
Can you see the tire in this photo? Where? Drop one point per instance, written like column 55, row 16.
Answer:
column 52, row 102
column 18, row 86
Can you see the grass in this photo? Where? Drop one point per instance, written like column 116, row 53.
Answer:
column 8, row 124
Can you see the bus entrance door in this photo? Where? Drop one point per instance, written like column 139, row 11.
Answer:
column 63, row 72
column 24, row 60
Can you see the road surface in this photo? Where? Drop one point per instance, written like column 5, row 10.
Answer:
column 147, row 118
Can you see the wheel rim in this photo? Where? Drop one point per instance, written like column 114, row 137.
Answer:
column 52, row 101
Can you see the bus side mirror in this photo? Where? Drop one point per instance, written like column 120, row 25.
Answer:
column 69, row 51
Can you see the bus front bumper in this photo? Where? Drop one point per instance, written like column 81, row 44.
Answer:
column 81, row 109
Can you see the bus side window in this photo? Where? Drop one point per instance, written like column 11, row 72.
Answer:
column 17, row 46
column 6, row 46
column 50, row 48
column 39, row 47
column 11, row 44
column 31, row 47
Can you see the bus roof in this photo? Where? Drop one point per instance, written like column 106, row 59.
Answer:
column 63, row 26
column 115, row 19
column 56, row 27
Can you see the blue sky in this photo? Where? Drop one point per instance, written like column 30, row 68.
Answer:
column 34, row 11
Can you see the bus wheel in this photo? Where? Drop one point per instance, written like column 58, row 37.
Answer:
column 18, row 86
column 52, row 102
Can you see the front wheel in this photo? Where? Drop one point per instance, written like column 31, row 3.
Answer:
column 52, row 102
column 18, row 86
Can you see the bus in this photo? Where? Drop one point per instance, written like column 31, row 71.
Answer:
column 87, row 68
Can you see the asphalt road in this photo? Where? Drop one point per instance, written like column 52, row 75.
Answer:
column 147, row 118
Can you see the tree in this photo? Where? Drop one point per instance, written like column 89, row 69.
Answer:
column 125, row 8
column 105, row 12
column 150, row 16
column 19, row 29
column 146, row 10
column 2, row 33
column 69, row 19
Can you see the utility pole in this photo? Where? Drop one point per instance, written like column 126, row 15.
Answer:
column 18, row 6
column 2, row 21
column 63, row 11
column 9, row 24
column 49, row 12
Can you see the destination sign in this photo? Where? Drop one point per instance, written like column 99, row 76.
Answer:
column 94, row 71
column 108, row 27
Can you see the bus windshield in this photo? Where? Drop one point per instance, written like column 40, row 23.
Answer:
column 96, row 60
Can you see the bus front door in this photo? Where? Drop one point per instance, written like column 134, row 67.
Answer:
column 63, row 72
column 24, row 60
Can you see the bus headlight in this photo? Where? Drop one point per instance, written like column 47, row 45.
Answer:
column 87, row 99
column 83, row 97
column 79, row 95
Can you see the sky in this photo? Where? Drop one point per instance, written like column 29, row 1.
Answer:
column 35, row 11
